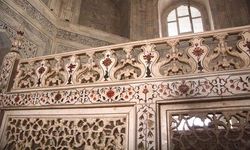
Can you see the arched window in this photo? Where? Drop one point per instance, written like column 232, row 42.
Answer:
column 184, row 19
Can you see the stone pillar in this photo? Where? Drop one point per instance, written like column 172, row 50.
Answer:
column 10, row 59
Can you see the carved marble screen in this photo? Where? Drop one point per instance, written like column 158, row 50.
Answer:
column 210, row 126
column 107, row 128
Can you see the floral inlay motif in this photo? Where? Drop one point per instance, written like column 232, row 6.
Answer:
column 110, row 93
column 58, row 96
column 183, row 88
column 107, row 62
column 71, row 67
column 198, row 51
column 148, row 57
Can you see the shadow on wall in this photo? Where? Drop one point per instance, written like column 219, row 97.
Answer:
column 111, row 16
column 5, row 45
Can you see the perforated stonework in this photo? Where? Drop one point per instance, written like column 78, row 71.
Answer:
column 62, row 133
column 227, row 130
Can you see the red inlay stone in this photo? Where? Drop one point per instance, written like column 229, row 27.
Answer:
column 58, row 96
column 107, row 62
column 183, row 88
column 110, row 93
column 17, row 98
column 41, row 70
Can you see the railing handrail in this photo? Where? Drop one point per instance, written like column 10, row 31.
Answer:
column 199, row 54
column 139, row 43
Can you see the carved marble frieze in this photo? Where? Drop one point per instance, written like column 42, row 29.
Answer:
column 85, row 40
column 210, row 86
column 225, row 57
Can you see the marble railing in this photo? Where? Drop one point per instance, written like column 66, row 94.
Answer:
column 152, row 94
column 189, row 54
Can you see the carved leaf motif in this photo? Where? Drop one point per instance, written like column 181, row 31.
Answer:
column 244, row 46
column 224, row 57
column 88, row 73
column 146, row 127
column 127, row 68
column 175, row 62
column 26, row 76
column 56, row 76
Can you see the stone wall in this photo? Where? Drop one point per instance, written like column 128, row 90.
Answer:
column 134, row 19
column 248, row 5
column 230, row 13
column 125, row 7
column 107, row 15
column 5, row 45
column 46, row 32
column 144, row 19
column 138, row 19
column 67, row 10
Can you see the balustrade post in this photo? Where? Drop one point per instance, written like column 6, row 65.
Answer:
column 7, row 70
